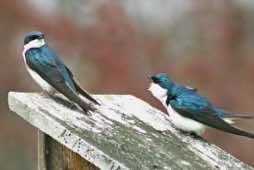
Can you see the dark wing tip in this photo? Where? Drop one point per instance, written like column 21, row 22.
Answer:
column 92, row 100
column 242, row 115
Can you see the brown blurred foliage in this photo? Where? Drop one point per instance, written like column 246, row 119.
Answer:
column 209, row 47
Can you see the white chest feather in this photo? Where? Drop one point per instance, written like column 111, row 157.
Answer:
column 42, row 83
column 184, row 123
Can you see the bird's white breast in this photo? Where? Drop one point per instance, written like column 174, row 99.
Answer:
column 185, row 124
column 157, row 91
column 179, row 121
column 42, row 83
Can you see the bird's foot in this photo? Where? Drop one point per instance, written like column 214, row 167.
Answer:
column 87, row 109
column 192, row 134
column 91, row 107
column 45, row 94
column 160, row 131
column 64, row 102
column 195, row 136
column 72, row 106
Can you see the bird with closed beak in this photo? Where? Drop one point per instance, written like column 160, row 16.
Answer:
column 48, row 70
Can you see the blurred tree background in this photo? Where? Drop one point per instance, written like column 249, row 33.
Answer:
column 111, row 46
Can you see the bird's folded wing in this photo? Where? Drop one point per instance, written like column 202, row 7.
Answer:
column 206, row 116
column 51, row 74
column 47, row 69
column 79, row 89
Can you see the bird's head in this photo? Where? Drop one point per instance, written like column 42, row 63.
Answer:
column 161, row 85
column 34, row 39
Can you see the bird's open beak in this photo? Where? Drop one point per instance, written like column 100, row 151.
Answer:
column 149, row 78
column 148, row 88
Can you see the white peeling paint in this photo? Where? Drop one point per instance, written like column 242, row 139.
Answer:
column 126, row 110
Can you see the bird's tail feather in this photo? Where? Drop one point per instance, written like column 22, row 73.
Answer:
column 230, row 119
column 81, row 91
column 229, row 115
column 235, row 117
column 242, row 116
column 74, row 97
column 241, row 133
column 85, row 94
column 231, row 129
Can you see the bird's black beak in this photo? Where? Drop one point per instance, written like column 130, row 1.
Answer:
column 149, row 77
column 153, row 78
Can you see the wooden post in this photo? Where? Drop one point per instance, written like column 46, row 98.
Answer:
column 55, row 156
column 124, row 133
column 41, row 151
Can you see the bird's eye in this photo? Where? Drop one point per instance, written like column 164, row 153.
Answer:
column 34, row 37
column 155, row 80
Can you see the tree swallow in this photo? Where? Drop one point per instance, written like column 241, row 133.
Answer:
column 47, row 69
column 191, row 112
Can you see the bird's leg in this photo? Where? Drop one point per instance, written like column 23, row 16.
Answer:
column 160, row 131
column 50, row 93
column 196, row 136
column 191, row 134
column 73, row 106
column 45, row 94
column 91, row 106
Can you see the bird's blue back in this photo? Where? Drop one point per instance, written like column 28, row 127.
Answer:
column 190, row 99
column 49, row 62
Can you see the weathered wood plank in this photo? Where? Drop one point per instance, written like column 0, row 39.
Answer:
column 55, row 156
column 124, row 133
column 41, row 151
